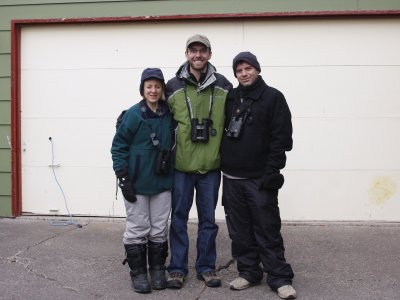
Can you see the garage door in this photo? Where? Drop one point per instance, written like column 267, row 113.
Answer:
column 341, row 79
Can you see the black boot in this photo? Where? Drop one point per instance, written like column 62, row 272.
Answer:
column 158, row 253
column 137, row 261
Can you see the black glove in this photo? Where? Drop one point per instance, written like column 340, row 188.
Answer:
column 272, row 181
column 127, row 190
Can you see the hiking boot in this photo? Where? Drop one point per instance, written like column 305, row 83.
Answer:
column 210, row 278
column 175, row 280
column 239, row 284
column 286, row 292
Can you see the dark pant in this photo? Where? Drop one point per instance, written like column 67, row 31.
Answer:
column 254, row 225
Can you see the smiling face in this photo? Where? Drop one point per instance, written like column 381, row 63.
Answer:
column 198, row 56
column 152, row 91
column 246, row 73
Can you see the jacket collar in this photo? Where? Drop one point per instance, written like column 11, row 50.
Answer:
column 148, row 113
column 209, row 78
column 254, row 91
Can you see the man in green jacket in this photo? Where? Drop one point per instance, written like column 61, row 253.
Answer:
column 196, row 97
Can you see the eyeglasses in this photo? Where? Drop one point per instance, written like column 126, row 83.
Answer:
column 202, row 50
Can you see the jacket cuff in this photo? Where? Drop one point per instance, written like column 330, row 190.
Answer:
column 121, row 173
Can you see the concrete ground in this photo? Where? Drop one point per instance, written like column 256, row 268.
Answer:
column 331, row 261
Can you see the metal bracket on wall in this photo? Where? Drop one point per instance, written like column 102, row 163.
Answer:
column 55, row 166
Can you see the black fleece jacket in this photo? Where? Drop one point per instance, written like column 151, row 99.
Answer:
column 265, row 136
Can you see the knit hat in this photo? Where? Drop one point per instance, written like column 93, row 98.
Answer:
column 151, row 73
column 198, row 38
column 248, row 57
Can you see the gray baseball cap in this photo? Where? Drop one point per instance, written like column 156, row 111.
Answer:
column 198, row 38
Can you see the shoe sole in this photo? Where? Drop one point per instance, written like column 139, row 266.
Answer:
column 239, row 289
column 217, row 284
column 209, row 283
column 290, row 297
column 287, row 297
column 174, row 286
column 142, row 291
column 246, row 287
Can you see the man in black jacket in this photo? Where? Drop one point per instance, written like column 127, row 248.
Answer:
column 258, row 131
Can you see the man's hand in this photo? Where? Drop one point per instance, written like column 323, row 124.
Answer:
column 272, row 181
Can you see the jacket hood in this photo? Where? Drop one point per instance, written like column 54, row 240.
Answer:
column 183, row 73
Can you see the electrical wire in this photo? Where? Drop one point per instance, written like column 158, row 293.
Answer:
column 56, row 222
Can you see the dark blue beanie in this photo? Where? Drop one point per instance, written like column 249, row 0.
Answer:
column 248, row 57
column 151, row 73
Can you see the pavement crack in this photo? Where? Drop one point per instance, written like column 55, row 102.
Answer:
column 28, row 265
column 226, row 265
column 16, row 258
column 201, row 292
column 24, row 261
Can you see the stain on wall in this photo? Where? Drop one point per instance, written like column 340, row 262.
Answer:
column 382, row 189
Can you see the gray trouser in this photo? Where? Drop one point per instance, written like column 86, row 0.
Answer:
column 147, row 219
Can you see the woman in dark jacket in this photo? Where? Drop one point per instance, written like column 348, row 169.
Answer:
column 141, row 151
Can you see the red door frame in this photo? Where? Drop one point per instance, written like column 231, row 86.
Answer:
column 17, row 25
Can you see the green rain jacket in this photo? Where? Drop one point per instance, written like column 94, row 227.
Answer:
column 197, row 157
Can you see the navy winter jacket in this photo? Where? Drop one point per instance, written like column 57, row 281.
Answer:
column 266, row 134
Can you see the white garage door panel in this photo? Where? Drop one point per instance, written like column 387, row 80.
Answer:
column 77, row 142
column 340, row 195
column 344, row 42
column 345, row 144
column 123, row 46
column 88, row 191
column 83, row 94
column 338, row 91
column 89, row 92
column 340, row 78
